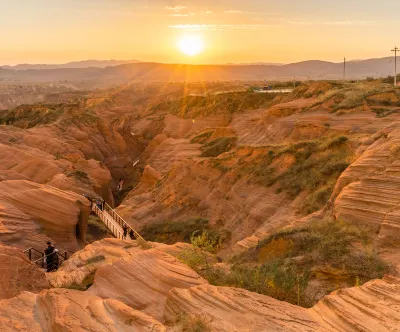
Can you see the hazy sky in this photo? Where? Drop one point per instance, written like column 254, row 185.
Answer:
column 55, row 31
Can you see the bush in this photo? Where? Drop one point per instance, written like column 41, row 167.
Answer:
column 208, row 241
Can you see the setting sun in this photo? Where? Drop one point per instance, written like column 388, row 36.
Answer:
column 191, row 45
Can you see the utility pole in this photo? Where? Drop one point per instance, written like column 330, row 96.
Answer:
column 344, row 69
column 396, row 49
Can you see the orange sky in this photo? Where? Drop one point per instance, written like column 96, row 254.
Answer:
column 45, row 31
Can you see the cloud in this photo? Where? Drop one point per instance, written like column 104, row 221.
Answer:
column 233, row 12
column 209, row 27
column 179, row 15
column 331, row 22
column 194, row 26
column 176, row 8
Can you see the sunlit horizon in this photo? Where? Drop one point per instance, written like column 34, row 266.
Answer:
column 48, row 32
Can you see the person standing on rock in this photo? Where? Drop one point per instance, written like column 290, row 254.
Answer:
column 49, row 256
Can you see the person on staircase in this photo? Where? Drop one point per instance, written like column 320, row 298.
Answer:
column 56, row 260
column 132, row 234
column 120, row 184
column 125, row 228
column 48, row 252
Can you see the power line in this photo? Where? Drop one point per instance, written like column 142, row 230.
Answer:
column 344, row 69
column 396, row 49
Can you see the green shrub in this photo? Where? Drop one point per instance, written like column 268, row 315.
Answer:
column 208, row 241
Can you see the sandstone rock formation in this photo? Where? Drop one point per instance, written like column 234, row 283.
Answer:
column 82, row 265
column 371, row 307
column 18, row 274
column 70, row 310
column 143, row 281
column 60, row 215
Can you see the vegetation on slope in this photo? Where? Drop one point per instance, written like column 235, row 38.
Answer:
column 316, row 166
column 224, row 103
column 218, row 146
column 287, row 264
column 344, row 97
column 31, row 116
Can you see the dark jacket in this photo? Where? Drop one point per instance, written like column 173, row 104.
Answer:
column 49, row 250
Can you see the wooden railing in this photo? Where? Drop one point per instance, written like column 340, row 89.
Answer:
column 116, row 224
column 40, row 259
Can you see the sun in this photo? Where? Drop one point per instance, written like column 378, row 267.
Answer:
column 191, row 45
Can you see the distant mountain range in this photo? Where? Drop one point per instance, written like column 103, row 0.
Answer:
column 159, row 72
column 256, row 64
column 75, row 64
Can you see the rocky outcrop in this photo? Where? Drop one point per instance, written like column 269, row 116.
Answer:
column 71, row 311
column 368, row 192
column 18, row 274
column 236, row 310
column 143, row 281
column 370, row 308
column 60, row 215
column 79, row 269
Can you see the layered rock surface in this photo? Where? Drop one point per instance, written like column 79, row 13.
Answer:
column 70, row 310
column 371, row 307
column 32, row 213
column 143, row 281
column 18, row 274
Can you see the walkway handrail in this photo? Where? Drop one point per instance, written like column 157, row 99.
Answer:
column 109, row 223
column 121, row 221
column 63, row 255
column 42, row 261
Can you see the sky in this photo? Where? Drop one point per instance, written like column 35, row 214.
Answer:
column 232, row 31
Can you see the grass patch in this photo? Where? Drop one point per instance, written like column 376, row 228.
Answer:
column 283, row 264
column 80, row 175
column 192, row 323
column 218, row 146
column 81, row 116
column 317, row 166
column 96, row 230
column 85, row 284
column 202, row 138
column 171, row 232
column 95, row 259
column 188, row 231
column 384, row 112
column 31, row 116
column 225, row 103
